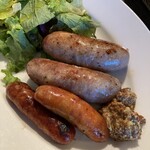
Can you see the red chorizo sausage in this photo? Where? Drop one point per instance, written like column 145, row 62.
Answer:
column 74, row 109
column 54, row 126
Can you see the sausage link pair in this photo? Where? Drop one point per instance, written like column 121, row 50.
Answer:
column 87, row 52
column 54, row 126
column 73, row 109
column 92, row 86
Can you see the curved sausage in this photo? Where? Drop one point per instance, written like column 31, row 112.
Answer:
column 87, row 52
column 75, row 110
column 92, row 86
column 54, row 126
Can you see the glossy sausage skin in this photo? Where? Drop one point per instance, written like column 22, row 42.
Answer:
column 54, row 126
column 92, row 86
column 73, row 109
column 87, row 52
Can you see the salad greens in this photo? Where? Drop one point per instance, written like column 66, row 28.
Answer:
column 23, row 21
column 35, row 12
column 8, row 8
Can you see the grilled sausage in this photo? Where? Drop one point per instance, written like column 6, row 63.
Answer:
column 54, row 126
column 87, row 52
column 92, row 86
column 74, row 109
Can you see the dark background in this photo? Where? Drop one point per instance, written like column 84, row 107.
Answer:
column 141, row 9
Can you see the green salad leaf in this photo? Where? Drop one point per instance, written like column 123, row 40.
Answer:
column 78, row 24
column 63, row 6
column 8, row 8
column 34, row 13
column 17, row 48
column 23, row 2
column 9, row 78
column 20, row 49
column 70, row 14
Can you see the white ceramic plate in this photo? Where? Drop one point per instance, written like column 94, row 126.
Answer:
column 118, row 24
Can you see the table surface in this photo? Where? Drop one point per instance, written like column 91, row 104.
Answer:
column 140, row 8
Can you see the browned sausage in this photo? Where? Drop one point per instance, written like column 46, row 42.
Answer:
column 74, row 109
column 54, row 126
column 87, row 52
column 92, row 86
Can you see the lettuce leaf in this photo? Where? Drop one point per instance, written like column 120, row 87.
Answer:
column 34, row 13
column 21, row 50
column 9, row 78
column 3, row 48
column 23, row 2
column 63, row 6
column 8, row 8
column 70, row 16
column 82, row 25
column 17, row 48
column 6, row 4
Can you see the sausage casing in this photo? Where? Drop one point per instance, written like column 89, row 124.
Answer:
column 73, row 109
column 87, row 52
column 54, row 126
column 92, row 86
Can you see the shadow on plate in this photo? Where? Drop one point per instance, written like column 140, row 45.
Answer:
column 124, row 145
column 82, row 142
column 2, row 58
column 120, row 74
